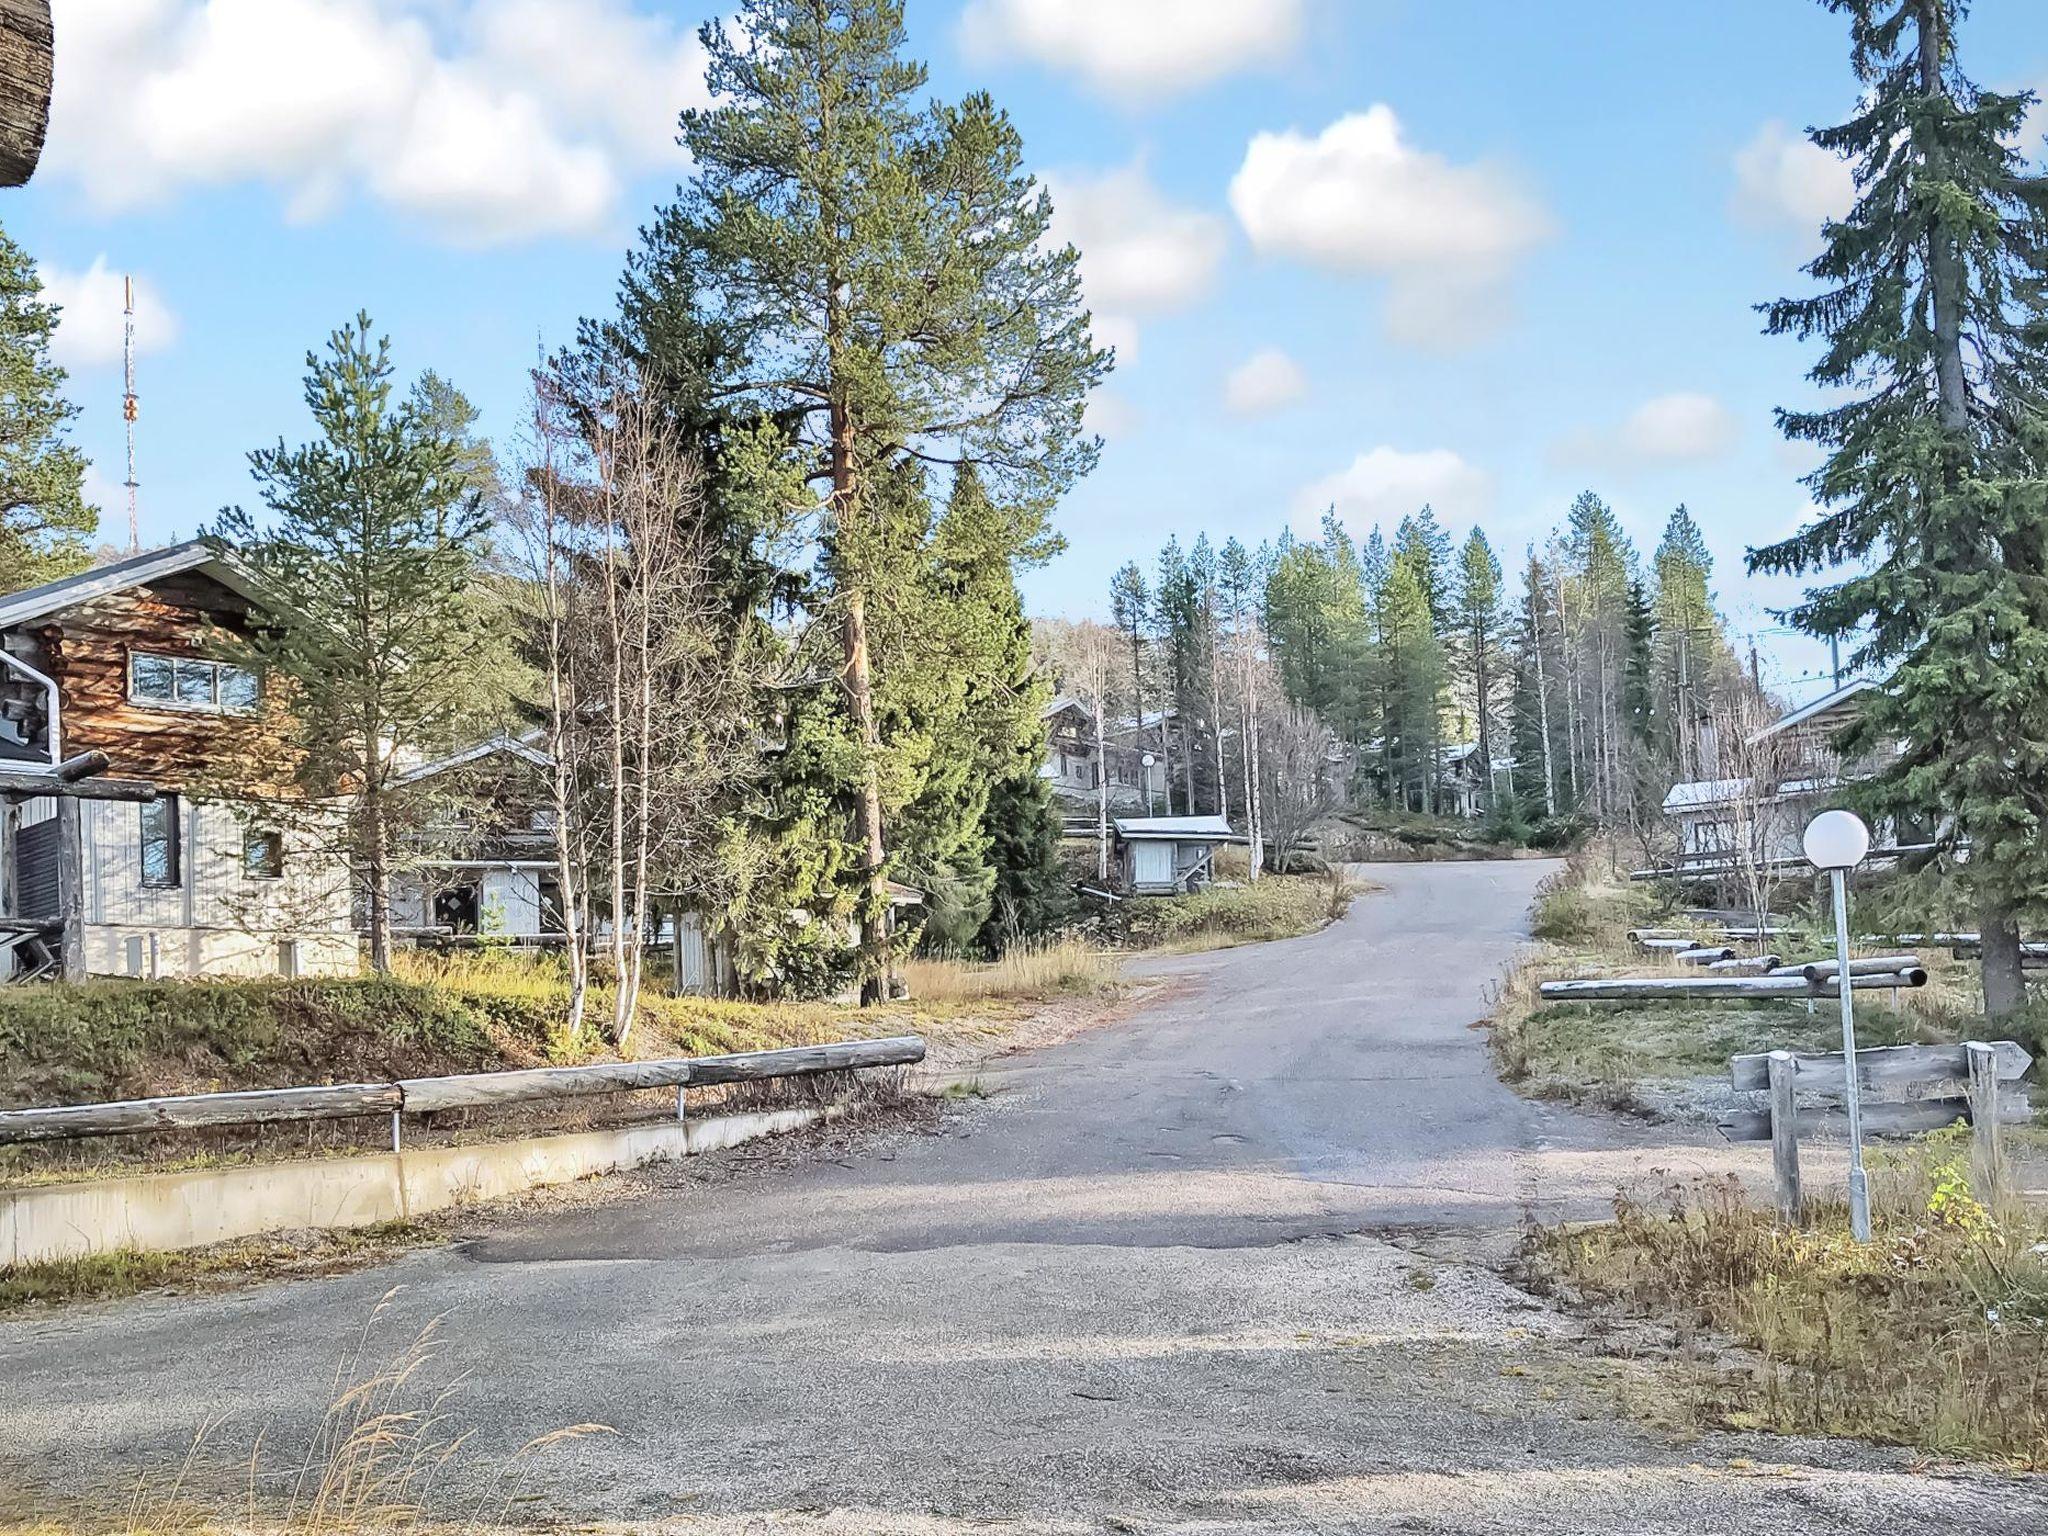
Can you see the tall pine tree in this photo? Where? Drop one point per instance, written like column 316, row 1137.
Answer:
column 1934, row 321
column 45, row 521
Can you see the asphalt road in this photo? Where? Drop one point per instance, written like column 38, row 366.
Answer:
column 1196, row 1271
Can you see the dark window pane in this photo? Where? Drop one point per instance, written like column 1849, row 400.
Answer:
column 195, row 682
column 263, row 855
column 151, row 678
column 160, row 842
column 237, row 688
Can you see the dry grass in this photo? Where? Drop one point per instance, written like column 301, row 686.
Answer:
column 1060, row 967
column 385, row 1450
column 1224, row 916
column 1933, row 1335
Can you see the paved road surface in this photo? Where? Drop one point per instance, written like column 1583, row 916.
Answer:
column 1166, row 1279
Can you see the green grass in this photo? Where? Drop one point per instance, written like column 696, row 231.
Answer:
column 1275, row 907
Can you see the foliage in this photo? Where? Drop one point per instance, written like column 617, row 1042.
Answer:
column 1278, row 907
column 45, row 522
column 1933, row 324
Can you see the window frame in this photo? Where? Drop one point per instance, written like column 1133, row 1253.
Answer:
column 217, row 672
column 171, row 807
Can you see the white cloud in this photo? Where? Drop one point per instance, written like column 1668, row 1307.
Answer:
column 1141, row 254
column 1386, row 484
column 490, row 120
column 1110, row 416
column 1134, row 49
column 1267, row 381
column 1685, row 427
column 89, row 329
column 1784, row 181
column 1359, row 198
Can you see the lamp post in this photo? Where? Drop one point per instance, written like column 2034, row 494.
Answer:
column 1837, row 841
column 1148, row 760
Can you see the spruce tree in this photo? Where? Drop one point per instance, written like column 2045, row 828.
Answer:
column 374, row 536
column 868, row 274
column 45, row 521
column 1689, row 647
column 1480, row 627
column 1130, row 608
column 1934, row 321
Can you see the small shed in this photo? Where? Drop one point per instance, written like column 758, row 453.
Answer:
column 1166, row 855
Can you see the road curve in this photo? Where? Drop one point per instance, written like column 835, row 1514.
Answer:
column 1163, row 1280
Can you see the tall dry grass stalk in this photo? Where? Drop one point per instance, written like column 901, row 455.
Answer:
column 373, row 1464
column 1060, row 966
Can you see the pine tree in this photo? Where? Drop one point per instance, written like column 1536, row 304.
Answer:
column 1177, row 617
column 1130, row 609
column 45, row 521
column 1415, row 681
column 374, row 536
column 1426, row 543
column 1934, row 318
column 1480, row 626
column 868, row 274
column 1689, row 645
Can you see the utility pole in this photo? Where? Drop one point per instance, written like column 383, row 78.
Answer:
column 1835, row 659
column 128, row 405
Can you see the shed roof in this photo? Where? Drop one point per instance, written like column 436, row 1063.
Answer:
column 1186, row 829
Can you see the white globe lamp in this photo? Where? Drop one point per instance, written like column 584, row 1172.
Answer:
column 1836, row 840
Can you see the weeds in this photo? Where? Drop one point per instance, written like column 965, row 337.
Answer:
column 1063, row 966
column 1275, row 907
column 1934, row 1335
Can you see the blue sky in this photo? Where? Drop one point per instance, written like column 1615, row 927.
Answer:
column 1485, row 253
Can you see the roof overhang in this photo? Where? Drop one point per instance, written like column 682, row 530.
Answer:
column 34, row 603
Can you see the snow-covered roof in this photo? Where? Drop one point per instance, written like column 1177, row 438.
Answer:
column 1192, row 829
column 135, row 571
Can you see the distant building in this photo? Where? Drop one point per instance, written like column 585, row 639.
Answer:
column 199, row 881
column 1169, row 855
column 1076, row 771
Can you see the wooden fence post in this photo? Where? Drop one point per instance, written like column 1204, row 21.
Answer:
column 1785, row 1134
column 1987, row 1170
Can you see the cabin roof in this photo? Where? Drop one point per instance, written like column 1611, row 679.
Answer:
column 1183, row 829
column 518, row 746
column 1826, row 704
column 1700, row 794
column 137, row 570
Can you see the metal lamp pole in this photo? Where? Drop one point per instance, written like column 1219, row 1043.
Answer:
column 1837, row 841
column 1151, row 808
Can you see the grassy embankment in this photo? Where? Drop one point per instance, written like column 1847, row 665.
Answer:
column 1602, row 1052
column 1935, row 1335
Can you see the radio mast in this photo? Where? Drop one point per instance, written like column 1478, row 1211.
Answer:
column 128, row 404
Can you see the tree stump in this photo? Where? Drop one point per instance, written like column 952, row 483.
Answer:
column 26, row 68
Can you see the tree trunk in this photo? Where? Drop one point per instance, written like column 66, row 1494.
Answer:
column 380, row 878
column 1543, row 716
column 26, row 62
column 1216, row 727
column 2005, row 984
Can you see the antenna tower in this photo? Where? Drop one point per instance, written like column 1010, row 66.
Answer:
column 128, row 404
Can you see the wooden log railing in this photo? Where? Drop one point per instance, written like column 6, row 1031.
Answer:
column 1976, row 1081
column 422, row 1095
column 1651, row 988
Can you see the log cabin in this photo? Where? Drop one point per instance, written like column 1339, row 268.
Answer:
column 215, row 874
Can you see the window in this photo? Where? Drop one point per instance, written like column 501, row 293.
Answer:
column 188, row 682
column 263, row 855
column 160, row 843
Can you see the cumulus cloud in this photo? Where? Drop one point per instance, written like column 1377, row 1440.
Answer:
column 1141, row 254
column 1787, row 183
column 1134, row 50
column 1686, row 427
column 89, row 328
column 1267, row 381
column 1358, row 197
column 1110, row 416
column 1386, row 484
column 487, row 120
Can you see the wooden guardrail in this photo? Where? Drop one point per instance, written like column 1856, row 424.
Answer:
column 1648, row 988
column 1976, row 1071
column 421, row 1095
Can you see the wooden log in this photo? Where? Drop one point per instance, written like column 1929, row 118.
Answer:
column 474, row 1090
column 1884, row 1066
column 1748, row 965
column 1987, row 1163
column 256, row 1108
column 27, row 64
column 1784, row 1115
column 83, row 766
column 1704, row 954
column 1877, row 965
column 1670, row 945
column 15, row 781
column 1649, row 988
column 1637, row 935
column 1913, row 1117
column 70, row 891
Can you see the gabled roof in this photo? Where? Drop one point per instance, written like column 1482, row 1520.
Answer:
column 1061, row 705
column 518, row 746
column 1826, row 704
column 1192, row 829
column 135, row 571
column 1699, row 794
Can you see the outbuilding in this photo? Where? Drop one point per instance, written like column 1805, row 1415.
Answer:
column 1168, row 855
